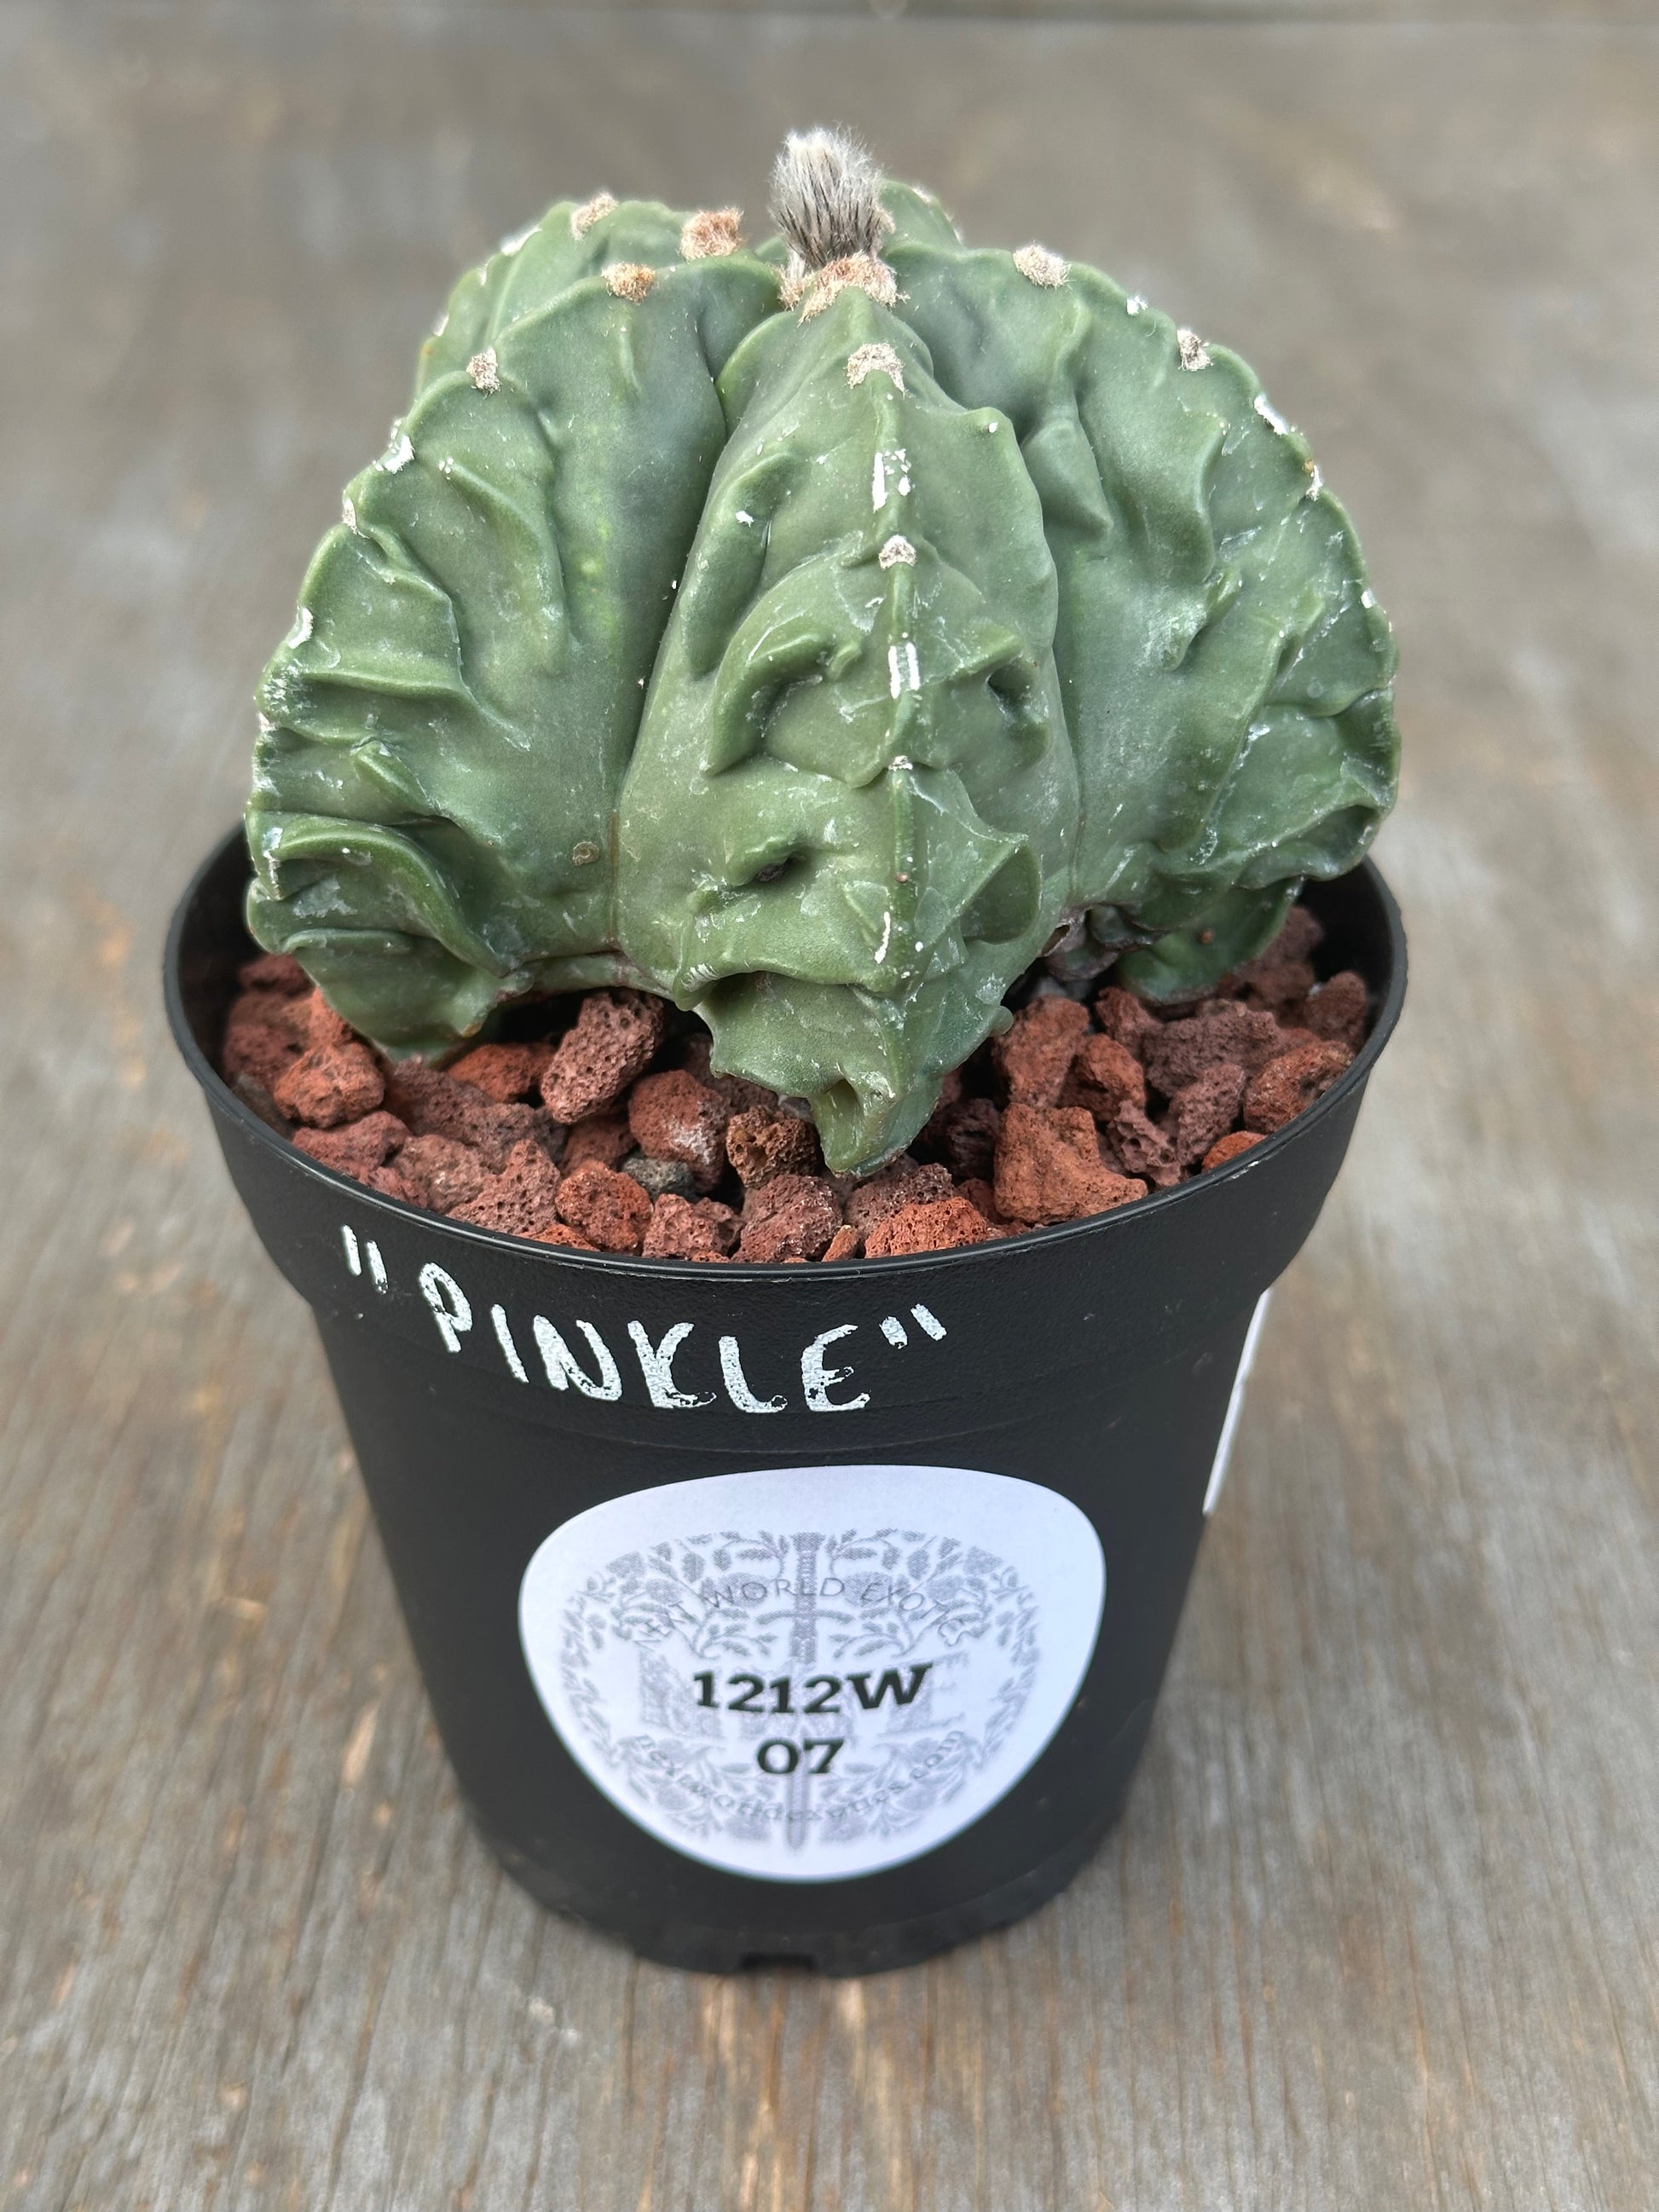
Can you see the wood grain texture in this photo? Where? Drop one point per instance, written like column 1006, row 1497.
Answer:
column 1324, row 12
column 1379, row 1928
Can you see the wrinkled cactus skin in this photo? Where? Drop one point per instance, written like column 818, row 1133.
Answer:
column 673, row 642
column 848, row 822
column 1223, row 667
column 447, row 728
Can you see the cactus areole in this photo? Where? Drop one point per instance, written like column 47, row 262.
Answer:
column 816, row 634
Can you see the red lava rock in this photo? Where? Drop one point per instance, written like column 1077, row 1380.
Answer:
column 739, row 1092
column 389, row 1183
column 979, row 1193
column 1335, row 1011
column 258, row 1100
column 615, row 1037
column 357, row 1147
column 1050, row 1168
column 1104, row 1076
column 465, row 1140
column 261, row 1053
column 556, row 1232
column 1230, row 1148
column 265, row 1035
column 1291, row 1082
column 520, row 1200
column 432, row 1104
column 1141, row 1148
column 1291, row 1039
column 940, row 1225
column 696, row 1052
column 673, row 1116
column 1126, row 1017
column 762, row 1143
column 1300, row 934
column 336, row 1083
column 500, row 1128
column 435, row 1105
column 505, row 1073
column 962, row 1134
column 1277, row 984
column 1034, row 1056
column 274, row 971
column 789, row 1217
column 606, row 1138
column 445, row 1173
column 904, row 1182
column 324, row 1026
column 1181, row 1051
column 1203, row 1111
column 1293, row 947
column 690, row 1228
column 1277, row 977
column 1284, row 972
column 608, row 1209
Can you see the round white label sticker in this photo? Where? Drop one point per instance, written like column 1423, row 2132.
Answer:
column 810, row 1673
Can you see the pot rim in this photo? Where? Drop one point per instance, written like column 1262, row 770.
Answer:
column 224, row 1100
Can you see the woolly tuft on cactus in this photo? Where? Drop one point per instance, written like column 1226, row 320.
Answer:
column 815, row 635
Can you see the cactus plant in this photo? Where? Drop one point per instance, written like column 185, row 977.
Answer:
column 815, row 635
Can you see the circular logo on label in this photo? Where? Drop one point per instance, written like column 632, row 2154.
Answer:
column 811, row 1673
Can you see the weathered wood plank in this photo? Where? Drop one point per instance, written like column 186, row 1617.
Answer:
column 1379, row 1926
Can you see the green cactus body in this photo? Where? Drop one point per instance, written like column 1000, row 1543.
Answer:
column 1225, row 667
column 446, row 729
column 847, row 821
column 818, row 670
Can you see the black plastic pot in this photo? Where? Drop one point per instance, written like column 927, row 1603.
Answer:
column 815, row 1611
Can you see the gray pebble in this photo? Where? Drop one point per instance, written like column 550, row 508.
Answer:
column 659, row 1176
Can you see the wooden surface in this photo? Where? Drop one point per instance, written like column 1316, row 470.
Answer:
column 1379, row 1928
